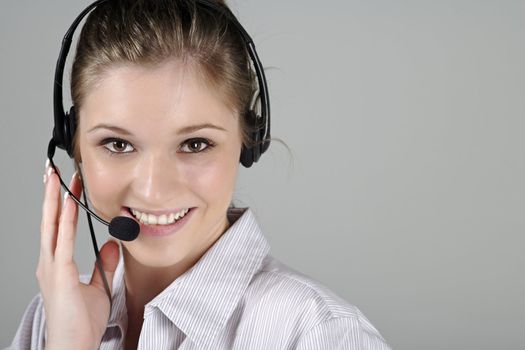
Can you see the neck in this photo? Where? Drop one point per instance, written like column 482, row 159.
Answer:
column 143, row 283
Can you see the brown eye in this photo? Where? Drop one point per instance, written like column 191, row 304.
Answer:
column 117, row 146
column 196, row 145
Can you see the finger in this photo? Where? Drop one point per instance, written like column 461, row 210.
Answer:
column 50, row 215
column 67, row 229
column 49, row 169
column 109, row 254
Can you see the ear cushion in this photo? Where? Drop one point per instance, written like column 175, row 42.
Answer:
column 70, row 128
column 247, row 157
column 251, row 154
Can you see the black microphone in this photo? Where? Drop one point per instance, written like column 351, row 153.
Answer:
column 124, row 228
column 120, row 227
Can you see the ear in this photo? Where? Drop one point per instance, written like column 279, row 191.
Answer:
column 78, row 157
column 78, row 168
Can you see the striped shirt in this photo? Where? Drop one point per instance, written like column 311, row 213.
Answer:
column 237, row 296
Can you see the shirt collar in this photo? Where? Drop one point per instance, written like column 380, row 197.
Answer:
column 201, row 300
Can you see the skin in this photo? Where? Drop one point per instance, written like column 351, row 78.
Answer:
column 161, row 170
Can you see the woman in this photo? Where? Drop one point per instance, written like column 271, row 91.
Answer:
column 162, row 91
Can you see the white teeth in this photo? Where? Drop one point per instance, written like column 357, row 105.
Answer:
column 163, row 219
column 152, row 219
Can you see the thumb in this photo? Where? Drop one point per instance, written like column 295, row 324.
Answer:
column 109, row 254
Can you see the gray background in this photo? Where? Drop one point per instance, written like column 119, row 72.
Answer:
column 404, row 190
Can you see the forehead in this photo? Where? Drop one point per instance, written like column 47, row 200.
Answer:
column 172, row 91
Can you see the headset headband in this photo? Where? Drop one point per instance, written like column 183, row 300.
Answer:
column 65, row 123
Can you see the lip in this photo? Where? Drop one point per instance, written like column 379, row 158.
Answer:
column 160, row 230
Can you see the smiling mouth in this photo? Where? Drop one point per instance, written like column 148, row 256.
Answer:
column 164, row 219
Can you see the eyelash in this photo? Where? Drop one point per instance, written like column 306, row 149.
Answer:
column 209, row 145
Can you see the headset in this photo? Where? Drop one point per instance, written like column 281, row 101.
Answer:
column 125, row 228
column 66, row 122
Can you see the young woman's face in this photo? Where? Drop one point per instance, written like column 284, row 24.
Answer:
column 141, row 147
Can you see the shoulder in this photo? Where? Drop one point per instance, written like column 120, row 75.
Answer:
column 277, row 283
column 31, row 331
column 309, row 309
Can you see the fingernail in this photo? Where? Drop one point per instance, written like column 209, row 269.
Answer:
column 46, row 170
column 50, row 171
column 66, row 194
column 75, row 175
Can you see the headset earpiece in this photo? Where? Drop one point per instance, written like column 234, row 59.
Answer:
column 70, row 126
column 253, row 151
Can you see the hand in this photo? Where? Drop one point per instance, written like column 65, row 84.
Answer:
column 76, row 314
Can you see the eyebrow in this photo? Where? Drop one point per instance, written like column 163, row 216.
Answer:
column 185, row 130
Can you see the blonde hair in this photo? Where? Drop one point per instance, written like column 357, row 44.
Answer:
column 150, row 32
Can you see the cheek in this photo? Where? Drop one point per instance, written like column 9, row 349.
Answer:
column 103, row 187
column 215, row 178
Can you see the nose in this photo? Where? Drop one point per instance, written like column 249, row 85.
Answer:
column 155, row 180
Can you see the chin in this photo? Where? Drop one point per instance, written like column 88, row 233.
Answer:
column 158, row 256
